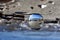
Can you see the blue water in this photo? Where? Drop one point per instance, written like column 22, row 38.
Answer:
column 29, row 35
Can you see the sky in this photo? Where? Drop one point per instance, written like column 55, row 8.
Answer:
column 35, row 17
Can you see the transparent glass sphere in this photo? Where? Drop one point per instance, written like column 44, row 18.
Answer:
column 35, row 19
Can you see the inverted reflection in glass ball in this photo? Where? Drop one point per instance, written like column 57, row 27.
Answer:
column 34, row 20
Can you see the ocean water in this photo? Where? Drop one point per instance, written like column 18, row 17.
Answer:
column 29, row 35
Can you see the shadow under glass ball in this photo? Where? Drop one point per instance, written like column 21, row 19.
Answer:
column 35, row 28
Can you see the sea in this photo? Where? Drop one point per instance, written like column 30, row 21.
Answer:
column 29, row 35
